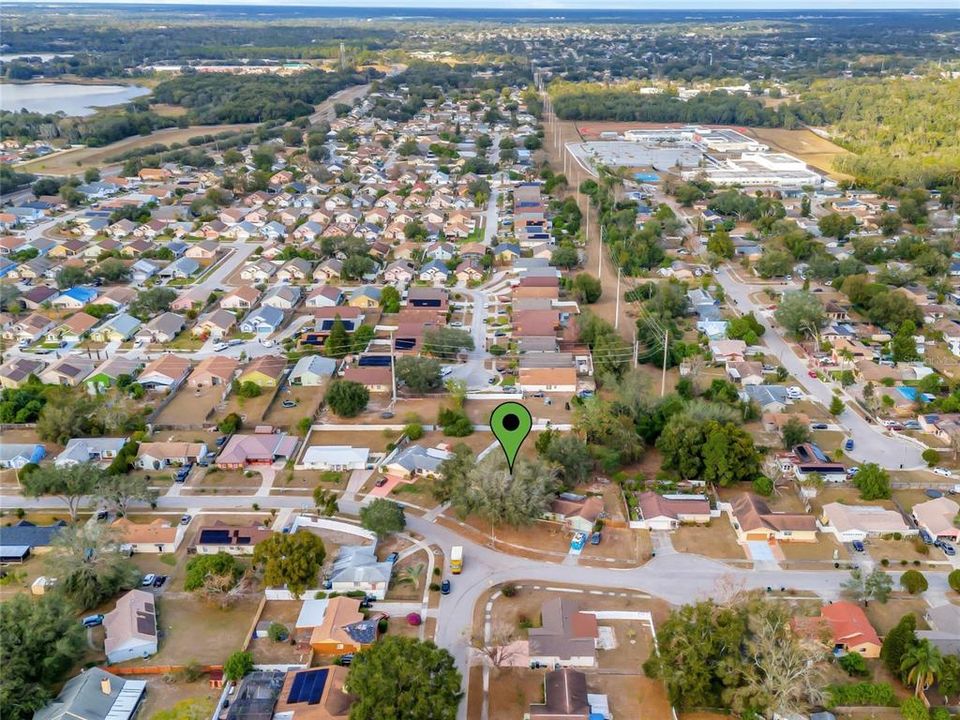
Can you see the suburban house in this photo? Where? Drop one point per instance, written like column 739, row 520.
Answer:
column 858, row 522
column 312, row 370
column 937, row 518
column 13, row 455
column 324, row 296
column 357, row 568
column 166, row 372
column 753, row 520
column 95, row 694
column 566, row 637
column 335, row 457
column 243, row 297
column 564, row 697
column 155, row 537
column 68, row 371
column 727, row 351
column 256, row 449
column 265, row 371
column 221, row 537
column 944, row 632
column 93, row 449
column 548, row 379
column 213, row 370
column 846, row 625
column 159, row 455
column 17, row 371
column 263, row 321
column 578, row 511
column 119, row 328
column 106, row 375
column 163, row 328
column 131, row 627
column 344, row 629
column 315, row 694
column 216, row 324
column 377, row 379
column 416, row 461
column 668, row 512
column 17, row 541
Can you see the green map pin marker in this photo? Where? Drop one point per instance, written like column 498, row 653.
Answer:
column 511, row 423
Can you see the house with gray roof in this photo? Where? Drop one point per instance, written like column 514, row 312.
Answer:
column 98, row 450
column 182, row 267
column 17, row 455
column 770, row 398
column 95, row 694
column 120, row 327
column 163, row 328
column 131, row 627
column 312, row 370
column 263, row 321
column 416, row 461
column 357, row 568
column 19, row 540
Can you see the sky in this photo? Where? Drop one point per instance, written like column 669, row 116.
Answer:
column 564, row 4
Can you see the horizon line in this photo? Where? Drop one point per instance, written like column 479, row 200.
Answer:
column 530, row 6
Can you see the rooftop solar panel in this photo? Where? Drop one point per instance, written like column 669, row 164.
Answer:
column 308, row 686
column 215, row 536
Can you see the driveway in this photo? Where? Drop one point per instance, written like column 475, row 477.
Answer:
column 871, row 443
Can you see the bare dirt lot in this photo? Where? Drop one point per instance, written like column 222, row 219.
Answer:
column 191, row 406
column 307, row 401
column 806, row 145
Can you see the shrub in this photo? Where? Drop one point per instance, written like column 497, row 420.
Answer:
column 854, row 664
column 382, row 625
column 763, row 486
column 414, row 431
column 230, row 424
column 930, row 456
column 914, row 709
column 913, row 582
column 954, row 580
column 510, row 590
column 434, row 587
column 238, row 665
column 862, row 693
column 278, row 632
column 885, row 562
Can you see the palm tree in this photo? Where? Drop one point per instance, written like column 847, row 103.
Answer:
column 922, row 663
column 411, row 575
column 325, row 501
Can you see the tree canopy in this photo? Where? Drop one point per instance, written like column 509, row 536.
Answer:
column 291, row 559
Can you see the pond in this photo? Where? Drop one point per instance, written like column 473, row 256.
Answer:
column 69, row 98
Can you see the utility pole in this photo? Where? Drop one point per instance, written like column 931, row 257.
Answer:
column 663, row 378
column 636, row 349
column 393, row 370
column 600, row 264
column 616, row 317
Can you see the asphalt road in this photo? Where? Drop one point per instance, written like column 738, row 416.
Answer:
column 675, row 577
column 871, row 443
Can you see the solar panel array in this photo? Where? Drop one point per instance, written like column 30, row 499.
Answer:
column 308, row 686
column 215, row 536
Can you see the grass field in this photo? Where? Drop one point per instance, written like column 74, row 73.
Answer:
column 74, row 161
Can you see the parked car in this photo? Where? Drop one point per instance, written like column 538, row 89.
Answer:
column 579, row 540
column 185, row 519
column 942, row 471
column 393, row 557
column 234, row 343
column 819, row 426
column 925, row 536
column 345, row 660
column 386, row 414
column 812, row 373
column 221, row 441
column 381, row 482
column 858, row 546
column 148, row 580
column 159, row 580
column 102, row 514
column 596, row 537
column 948, row 549
column 92, row 621
column 445, row 587
column 220, row 346
column 848, row 444
column 851, row 471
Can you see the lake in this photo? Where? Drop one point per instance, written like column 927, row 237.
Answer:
column 70, row 98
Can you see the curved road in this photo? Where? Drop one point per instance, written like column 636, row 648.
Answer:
column 871, row 443
column 675, row 577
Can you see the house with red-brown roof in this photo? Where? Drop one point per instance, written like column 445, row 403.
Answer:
column 846, row 627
